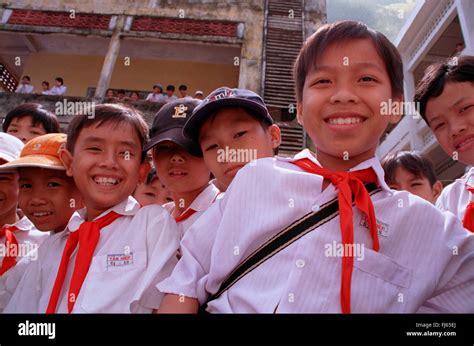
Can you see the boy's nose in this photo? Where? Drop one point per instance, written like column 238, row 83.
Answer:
column 457, row 126
column 176, row 158
column 37, row 200
column 109, row 160
column 344, row 95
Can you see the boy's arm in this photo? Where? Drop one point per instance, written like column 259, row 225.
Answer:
column 455, row 285
column 175, row 304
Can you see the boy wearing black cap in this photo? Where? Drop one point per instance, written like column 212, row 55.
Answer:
column 179, row 163
column 233, row 127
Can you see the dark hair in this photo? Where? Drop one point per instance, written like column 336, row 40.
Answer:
column 108, row 114
column 38, row 114
column 27, row 77
column 59, row 79
column 158, row 86
column 341, row 32
column 151, row 176
column 183, row 87
column 263, row 122
column 413, row 162
column 456, row 69
column 170, row 87
column 45, row 82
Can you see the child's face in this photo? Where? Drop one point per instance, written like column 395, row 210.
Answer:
column 451, row 118
column 25, row 81
column 44, row 86
column 153, row 193
column 23, row 129
column 58, row 83
column 178, row 170
column 105, row 165
column 240, row 133
column 48, row 197
column 342, row 102
column 8, row 194
column 169, row 92
column 417, row 185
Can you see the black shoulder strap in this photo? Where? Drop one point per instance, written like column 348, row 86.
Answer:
column 284, row 238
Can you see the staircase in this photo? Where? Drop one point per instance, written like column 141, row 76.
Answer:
column 283, row 40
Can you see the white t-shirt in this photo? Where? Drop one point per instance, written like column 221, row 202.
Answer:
column 424, row 263
column 120, row 260
column 24, row 89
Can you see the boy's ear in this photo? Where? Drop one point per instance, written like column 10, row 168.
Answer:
column 66, row 157
column 143, row 171
column 437, row 189
column 299, row 114
column 395, row 118
column 275, row 135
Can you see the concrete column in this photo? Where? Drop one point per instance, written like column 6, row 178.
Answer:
column 110, row 58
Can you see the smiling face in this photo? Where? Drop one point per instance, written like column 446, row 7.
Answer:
column 342, row 102
column 23, row 128
column 8, row 197
column 451, row 117
column 233, row 130
column 48, row 197
column 178, row 170
column 105, row 165
column 152, row 193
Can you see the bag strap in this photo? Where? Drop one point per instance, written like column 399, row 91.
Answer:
column 283, row 239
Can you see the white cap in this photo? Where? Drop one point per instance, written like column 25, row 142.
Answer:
column 10, row 147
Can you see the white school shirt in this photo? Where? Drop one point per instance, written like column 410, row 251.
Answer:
column 455, row 197
column 28, row 236
column 120, row 260
column 58, row 90
column 414, row 268
column 24, row 89
column 167, row 98
column 155, row 97
column 200, row 204
column 149, row 296
column 29, row 239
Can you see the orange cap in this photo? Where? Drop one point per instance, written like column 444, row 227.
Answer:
column 42, row 151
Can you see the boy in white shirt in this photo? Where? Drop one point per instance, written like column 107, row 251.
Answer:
column 59, row 88
column 106, row 248
column 391, row 252
column 156, row 95
column 446, row 98
column 18, row 236
column 24, row 87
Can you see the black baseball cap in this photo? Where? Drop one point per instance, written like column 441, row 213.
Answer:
column 168, row 125
column 225, row 97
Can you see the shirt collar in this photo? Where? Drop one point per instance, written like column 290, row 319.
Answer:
column 205, row 198
column 24, row 224
column 469, row 177
column 373, row 162
column 128, row 206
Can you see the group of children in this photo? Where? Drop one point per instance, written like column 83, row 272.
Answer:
column 229, row 226
column 26, row 88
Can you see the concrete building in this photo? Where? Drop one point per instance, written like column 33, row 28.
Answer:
column 132, row 45
column 435, row 31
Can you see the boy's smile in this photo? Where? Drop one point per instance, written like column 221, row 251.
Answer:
column 342, row 101
column 105, row 165
column 451, row 118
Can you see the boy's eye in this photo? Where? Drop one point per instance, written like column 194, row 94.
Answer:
column 367, row 79
column 12, row 131
column 322, row 81
column 25, row 186
column 150, row 194
column 240, row 134
column 415, row 184
column 93, row 148
column 53, row 184
column 126, row 154
column 211, row 147
column 463, row 109
column 438, row 126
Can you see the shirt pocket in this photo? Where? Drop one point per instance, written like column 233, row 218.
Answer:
column 111, row 281
column 379, row 284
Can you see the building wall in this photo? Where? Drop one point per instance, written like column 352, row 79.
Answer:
column 249, row 12
column 82, row 72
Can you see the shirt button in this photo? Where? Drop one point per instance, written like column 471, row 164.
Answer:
column 315, row 207
column 300, row 263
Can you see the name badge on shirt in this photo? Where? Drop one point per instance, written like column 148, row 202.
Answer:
column 119, row 260
column 382, row 227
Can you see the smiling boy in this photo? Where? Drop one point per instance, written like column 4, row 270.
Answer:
column 343, row 74
column 446, row 97
column 114, row 237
